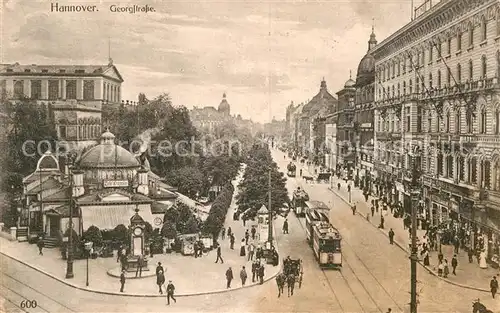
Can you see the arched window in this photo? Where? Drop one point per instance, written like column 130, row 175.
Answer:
column 469, row 119
column 483, row 66
column 404, row 88
column 447, row 122
column 458, row 124
column 399, row 67
column 411, row 87
column 449, row 46
column 19, row 89
column 431, row 52
column 459, row 41
column 460, row 167
column 439, row 79
column 459, row 73
column 439, row 163
column 393, row 91
column 471, row 70
column 472, row 170
column 483, row 120
column 497, row 121
column 417, row 85
column 399, row 90
column 449, row 165
column 438, row 48
column 430, row 80
column 484, row 28
column 486, row 173
column 471, row 35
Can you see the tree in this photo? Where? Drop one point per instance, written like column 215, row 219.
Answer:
column 121, row 233
column 192, row 226
column 148, row 230
column 188, row 180
column 168, row 230
column 93, row 234
column 171, row 215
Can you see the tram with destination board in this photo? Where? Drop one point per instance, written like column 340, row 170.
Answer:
column 316, row 211
column 326, row 245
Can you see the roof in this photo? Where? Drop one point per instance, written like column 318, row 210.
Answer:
column 108, row 217
column 366, row 70
column 322, row 98
column 318, row 205
column 349, row 83
column 61, row 70
column 62, row 194
column 224, row 105
column 67, row 105
column 263, row 209
column 108, row 155
column 97, row 196
column 161, row 207
column 40, row 175
column 161, row 193
column 50, row 183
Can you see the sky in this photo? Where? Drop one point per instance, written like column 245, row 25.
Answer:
column 262, row 54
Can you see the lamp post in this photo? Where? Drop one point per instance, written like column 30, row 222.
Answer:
column 69, row 264
column 270, row 233
column 88, row 248
column 415, row 193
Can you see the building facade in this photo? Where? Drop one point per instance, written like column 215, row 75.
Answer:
column 365, row 96
column 209, row 117
column 437, row 103
column 346, row 133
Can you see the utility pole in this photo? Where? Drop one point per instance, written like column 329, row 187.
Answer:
column 415, row 195
column 69, row 264
column 270, row 233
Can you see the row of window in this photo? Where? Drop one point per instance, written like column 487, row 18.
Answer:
column 392, row 122
column 84, row 132
column 395, row 68
column 451, row 79
column 111, row 93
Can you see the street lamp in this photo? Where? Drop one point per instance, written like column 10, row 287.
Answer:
column 69, row 264
column 88, row 248
column 415, row 195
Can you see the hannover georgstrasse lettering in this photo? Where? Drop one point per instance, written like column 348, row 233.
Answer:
column 131, row 8
column 55, row 7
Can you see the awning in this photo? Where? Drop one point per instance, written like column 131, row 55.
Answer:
column 110, row 216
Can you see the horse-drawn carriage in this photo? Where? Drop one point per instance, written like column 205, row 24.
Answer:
column 291, row 169
column 292, row 273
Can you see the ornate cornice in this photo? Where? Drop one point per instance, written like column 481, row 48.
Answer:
column 442, row 14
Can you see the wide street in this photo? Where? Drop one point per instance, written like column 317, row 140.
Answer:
column 374, row 277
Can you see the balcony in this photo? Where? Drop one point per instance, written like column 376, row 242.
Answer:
column 479, row 138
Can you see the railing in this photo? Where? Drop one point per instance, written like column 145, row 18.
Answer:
column 479, row 138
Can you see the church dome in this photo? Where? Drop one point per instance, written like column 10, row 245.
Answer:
column 366, row 70
column 108, row 155
column 349, row 83
column 224, row 105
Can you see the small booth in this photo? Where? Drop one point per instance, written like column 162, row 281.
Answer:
column 207, row 240
column 263, row 224
column 187, row 243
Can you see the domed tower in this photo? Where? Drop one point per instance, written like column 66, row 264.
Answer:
column 366, row 67
column 350, row 84
column 224, row 107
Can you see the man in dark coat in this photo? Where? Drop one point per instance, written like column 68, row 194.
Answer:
column 160, row 280
column 170, row 292
column 391, row 236
column 285, row 226
column 40, row 245
column 255, row 267
column 494, row 286
column 232, row 242
column 140, row 262
column 253, row 231
column 219, row 256
column 122, row 280
column 247, row 236
column 454, row 264
column 229, row 277
column 243, row 276
column 159, row 268
column 223, row 233
column 261, row 274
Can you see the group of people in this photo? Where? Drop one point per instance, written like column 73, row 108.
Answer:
column 160, row 281
column 258, row 272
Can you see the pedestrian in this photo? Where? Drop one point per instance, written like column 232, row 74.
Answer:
column 261, row 274
column 253, row 231
column 456, row 244
column 454, row 264
column 229, row 232
column 242, row 247
column 446, row 269
column 440, row 269
column 151, row 249
column 470, row 254
column 231, row 241
column 338, row 186
column 285, row 226
column 229, row 277
column 40, row 245
column 119, row 254
column 348, row 187
column 391, row 236
column 300, row 172
column 389, row 310
column 247, row 236
column 195, row 248
column 251, row 249
column 219, row 256
column 494, row 286
column 243, row 276
column 254, row 271
column 170, row 292
column 353, row 210
column 440, row 257
column 139, row 266
column 223, row 233
column 426, row 257
column 373, row 210
column 160, row 280
column 159, row 268
column 122, row 280
column 381, row 226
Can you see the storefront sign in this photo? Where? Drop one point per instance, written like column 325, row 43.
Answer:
column 115, row 183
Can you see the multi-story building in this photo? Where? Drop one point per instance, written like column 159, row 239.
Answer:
column 437, row 89
column 365, row 92
column 209, row 117
column 346, row 139
column 74, row 94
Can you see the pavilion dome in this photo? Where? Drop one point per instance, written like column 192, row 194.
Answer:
column 48, row 162
column 350, row 83
column 224, row 106
column 108, row 155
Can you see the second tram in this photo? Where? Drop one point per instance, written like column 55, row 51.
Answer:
column 316, row 211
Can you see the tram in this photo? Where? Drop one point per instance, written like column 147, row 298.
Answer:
column 326, row 245
column 316, row 211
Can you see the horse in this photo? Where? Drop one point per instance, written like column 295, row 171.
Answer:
column 478, row 307
column 290, row 283
column 280, row 281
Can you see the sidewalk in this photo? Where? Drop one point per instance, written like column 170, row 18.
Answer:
column 190, row 275
column 469, row 275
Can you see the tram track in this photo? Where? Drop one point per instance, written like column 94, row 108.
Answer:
column 11, row 291
column 365, row 306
